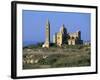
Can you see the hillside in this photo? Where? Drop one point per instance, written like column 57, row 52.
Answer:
column 54, row 57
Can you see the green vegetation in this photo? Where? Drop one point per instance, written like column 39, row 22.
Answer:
column 66, row 56
column 38, row 45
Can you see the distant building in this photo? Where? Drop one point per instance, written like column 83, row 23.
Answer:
column 47, row 39
column 62, row 37
column 75, row 38
column 54, row 38
column 87, row 43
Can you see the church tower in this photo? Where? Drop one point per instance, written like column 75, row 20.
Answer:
column 47, row 31
column 47, row 35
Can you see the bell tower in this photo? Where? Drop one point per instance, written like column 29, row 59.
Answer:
column 47, row 35
column 47, row 32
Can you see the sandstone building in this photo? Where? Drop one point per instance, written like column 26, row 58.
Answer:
column 62, row 37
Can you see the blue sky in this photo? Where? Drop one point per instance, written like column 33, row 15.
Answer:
column 34, row 23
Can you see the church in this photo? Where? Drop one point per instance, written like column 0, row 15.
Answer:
column 62, row 37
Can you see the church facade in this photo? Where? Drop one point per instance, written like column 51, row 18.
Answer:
column 63, row 37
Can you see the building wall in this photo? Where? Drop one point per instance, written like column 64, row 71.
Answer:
column 55, row 38
column 70, row 38
column 71, row 42
column 59, row 39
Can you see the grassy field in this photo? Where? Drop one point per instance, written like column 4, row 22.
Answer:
column 55, row 57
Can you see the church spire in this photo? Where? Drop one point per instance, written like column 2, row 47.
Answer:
column 47, row 22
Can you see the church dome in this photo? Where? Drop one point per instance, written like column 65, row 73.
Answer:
column 63, row 30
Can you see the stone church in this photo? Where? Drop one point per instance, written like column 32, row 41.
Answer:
column 62, row 37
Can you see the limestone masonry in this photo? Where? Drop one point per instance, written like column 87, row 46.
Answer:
column 62, row 37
